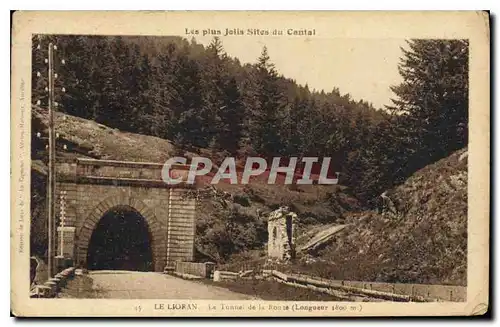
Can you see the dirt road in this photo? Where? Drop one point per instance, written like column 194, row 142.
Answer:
column 117, row 284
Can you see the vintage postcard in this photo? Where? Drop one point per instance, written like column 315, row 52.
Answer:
column 250, row 164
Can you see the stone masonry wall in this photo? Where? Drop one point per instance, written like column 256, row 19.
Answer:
column 169, row 214
column 181, row 227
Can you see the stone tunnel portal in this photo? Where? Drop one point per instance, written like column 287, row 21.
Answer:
column 122, row 215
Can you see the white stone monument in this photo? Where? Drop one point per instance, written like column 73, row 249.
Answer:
column 282, row 230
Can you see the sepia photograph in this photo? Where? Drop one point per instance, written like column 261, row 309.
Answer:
column 242, row 168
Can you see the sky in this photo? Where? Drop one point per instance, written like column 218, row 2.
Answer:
column 364, row 68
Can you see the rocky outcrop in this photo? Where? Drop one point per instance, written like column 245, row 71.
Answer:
column 424, row 241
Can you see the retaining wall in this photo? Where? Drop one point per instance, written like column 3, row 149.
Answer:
column 441, row 292
column 425, row 291
column 194, row 268
column 53, row 285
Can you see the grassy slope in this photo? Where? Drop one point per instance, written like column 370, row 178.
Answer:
column 425, row 243
column 86, row 138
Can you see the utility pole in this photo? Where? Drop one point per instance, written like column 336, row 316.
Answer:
column 52, row 157
column 51, row 146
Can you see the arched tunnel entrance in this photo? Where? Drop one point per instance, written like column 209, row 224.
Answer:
column 121, row 240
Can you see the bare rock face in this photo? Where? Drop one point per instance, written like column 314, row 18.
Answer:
column 282, row 234
column 425, row 242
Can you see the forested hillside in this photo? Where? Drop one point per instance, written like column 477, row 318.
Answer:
column 198, row 96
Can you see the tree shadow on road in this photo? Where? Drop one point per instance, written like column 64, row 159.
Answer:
column 81, row 287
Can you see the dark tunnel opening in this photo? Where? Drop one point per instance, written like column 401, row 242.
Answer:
column 120, row 241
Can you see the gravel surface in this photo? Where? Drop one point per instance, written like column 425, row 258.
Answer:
column 147, row 285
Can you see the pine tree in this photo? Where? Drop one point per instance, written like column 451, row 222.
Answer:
column 165, row 101
column 433, row 98
column 103, row 78
column 39, row 48
column 265, row 103
column 231, row 117
column 222, row 110
column 130, row 82
column 76, row 76
column 213, row 78
column 144, row 102
column 297, row 125
column 188, row 105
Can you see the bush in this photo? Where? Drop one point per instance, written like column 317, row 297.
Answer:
column 241, row 200
column 228, row 231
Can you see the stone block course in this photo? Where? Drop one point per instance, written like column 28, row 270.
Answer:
column 87, row 200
